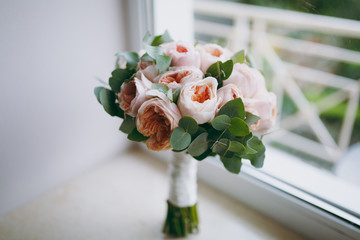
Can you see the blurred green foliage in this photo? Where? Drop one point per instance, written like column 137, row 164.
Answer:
column 344, row 9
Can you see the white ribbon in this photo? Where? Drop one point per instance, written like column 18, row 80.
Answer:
column 183, row 180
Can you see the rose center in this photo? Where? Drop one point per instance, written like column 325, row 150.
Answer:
column 175, row 77
column 216, row 52
column 201, row 94
column 181, row 49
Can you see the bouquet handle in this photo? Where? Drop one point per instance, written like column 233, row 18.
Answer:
column 182, row 217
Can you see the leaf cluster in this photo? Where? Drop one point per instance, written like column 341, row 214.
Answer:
column 228, row 136
column 107, row 97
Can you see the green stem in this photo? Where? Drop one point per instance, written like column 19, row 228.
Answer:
column 181, row 221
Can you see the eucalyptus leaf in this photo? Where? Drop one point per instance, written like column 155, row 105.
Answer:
column 221, row 71
column 128, row 124
column 132, row 58
column 238, row 127
column 107, row 99
column 227, row 68
column 180, row 139
column 154, row 51
column 161, row 87
column 221, row 122
column 146, row 39
column 160, row 39
column 199, row 145
column 236, row 147
column 118, row 77
column 97, row 93
column 136, row 136
column 232, row 164
column 146, row 57
column 233, row 108
column 176, row 94
column 162, row 62
column 239, row 57
column 220, row 147
column 169, row 94
column 257, row 160
column 250, row 118
column 189, row 124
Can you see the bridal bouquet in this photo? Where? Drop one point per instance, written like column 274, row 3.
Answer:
column 202, row 100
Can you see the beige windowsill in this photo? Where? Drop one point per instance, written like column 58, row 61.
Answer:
column 125, row 198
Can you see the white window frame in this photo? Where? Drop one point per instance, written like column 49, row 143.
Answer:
column 303, row 212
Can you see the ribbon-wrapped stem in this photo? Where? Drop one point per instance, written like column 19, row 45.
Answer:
column 182, row 215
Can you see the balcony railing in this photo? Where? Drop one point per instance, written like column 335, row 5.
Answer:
column 252, row 28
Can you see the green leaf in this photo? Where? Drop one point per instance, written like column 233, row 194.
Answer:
column 238, row 127
column 232, row 164
column 188, row 124
column 199, row 145
column 161, row 87
column 97, row 92
column 220, row 147
column 118, row 77
column 221, row 122
column 132, row 58
column 180, row 139
column 220, row 71
column 146, row 39
column 206, row 154
column 128, row 124
column 257, row 160
column 233, row 108
column 136, row 136
column 227, row 68
column 154, row 51
column 107, row 99
column 160, row 39
column 236, row 146
column 162, row 62
column 169, row 94
column 146, row 57
column 176, row 94
column 239, row 57
column 215, row 71
column 250, row 118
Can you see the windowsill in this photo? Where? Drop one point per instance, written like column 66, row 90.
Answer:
column 125, row 198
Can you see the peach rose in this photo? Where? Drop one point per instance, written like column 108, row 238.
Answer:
column 182, row 54
column 199, row 100
column 264, row 106
column 157, row 119
column 133, row 94
column 178, row 76
column 149, row 70
column 227, row 93
column 249, row 80
column 211, row 53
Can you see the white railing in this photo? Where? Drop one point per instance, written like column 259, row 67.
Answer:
column 250, row 31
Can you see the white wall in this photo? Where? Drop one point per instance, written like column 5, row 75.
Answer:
column 51, row 126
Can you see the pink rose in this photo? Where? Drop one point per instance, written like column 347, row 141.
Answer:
column 264, row 106
column 157, row 119
column 211, row 53
column 182, row 54
column 248, row 80
column 199, row 100
column 147, row 68
column 227, row 93
column 178, row 76
column 133, row 94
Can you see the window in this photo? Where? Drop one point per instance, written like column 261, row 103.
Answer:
column 310, row 179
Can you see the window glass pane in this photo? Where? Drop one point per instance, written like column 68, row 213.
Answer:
column 309, row 52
